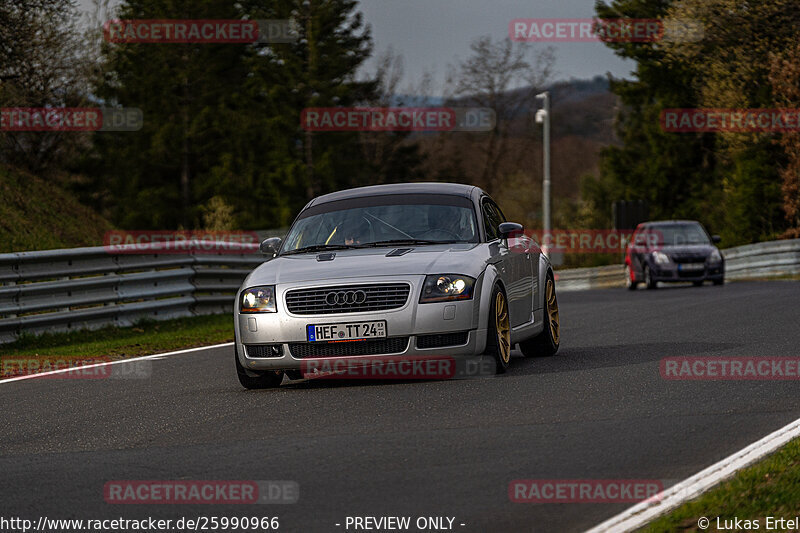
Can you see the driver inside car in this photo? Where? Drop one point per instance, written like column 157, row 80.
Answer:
column 355, row 232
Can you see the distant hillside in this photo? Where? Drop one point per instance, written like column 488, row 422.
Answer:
column 36, row 214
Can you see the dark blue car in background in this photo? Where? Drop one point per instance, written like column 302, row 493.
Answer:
column 673, row 251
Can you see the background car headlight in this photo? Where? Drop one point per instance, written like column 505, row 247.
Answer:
column 443, row 287
column 660, row 258
column 715, row 257
column 258, row 300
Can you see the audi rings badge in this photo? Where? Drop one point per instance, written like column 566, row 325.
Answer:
column 346, row 298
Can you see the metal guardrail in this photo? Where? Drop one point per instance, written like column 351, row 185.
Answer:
column 763, row 260
column 751, row 261
column 61, row 290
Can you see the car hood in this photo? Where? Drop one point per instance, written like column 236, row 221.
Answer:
column 688, row 251
column 428, row 259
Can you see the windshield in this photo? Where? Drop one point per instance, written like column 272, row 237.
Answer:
column 370, row 225
column 679, row 234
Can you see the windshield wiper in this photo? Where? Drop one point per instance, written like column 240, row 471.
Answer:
column 400, row 242
column 321, row 248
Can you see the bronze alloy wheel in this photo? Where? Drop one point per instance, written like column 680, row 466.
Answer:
column 502, row 327
column 552, row 311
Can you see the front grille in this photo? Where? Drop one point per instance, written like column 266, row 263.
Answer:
column 344, row 349
column 687, row 257
column 347, row 299
column 440, row 341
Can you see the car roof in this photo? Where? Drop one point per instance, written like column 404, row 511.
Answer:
column 455, row 189
column 668, row 222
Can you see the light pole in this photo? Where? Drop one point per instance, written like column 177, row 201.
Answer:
column 543, row 117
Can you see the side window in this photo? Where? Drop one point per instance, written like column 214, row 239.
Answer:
column 492, row 217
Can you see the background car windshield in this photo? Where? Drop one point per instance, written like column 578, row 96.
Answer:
column 680, row 234
column 365, row 225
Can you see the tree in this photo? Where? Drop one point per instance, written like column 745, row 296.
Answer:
column 189, row 95
column 499, row 76
column 318, row 70
column 223, row 120
column 41, row 65
column 732, row 70
column 727, row 180
column 785, row 79
column 675, row 173
column 392, row 156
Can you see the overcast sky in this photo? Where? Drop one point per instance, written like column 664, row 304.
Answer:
column 430, row 34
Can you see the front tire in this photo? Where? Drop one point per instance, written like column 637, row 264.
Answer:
column 648, row 279
column 630, row 284
column 251, row 379
column 547, row 342
column 498, row 335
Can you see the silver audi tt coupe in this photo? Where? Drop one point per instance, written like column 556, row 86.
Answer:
column 395, row 270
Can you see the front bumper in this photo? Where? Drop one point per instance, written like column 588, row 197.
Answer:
column 675, row 272
column 405, row 328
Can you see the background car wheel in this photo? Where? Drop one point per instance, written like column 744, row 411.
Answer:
column 498, row 335
column 629, row 283
column 697, row 283
column 251, row 379
column 648, row 279
column 719, row 281
column 547, row 342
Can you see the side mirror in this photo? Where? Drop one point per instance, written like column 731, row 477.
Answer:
column 270, row 246
column 715, row 239
column 509, row 229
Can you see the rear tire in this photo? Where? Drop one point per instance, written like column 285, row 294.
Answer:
column 648, row 279
column 697, row 283
column 547, row 342
column 498, row 334
column 251, row 379
column 719, row 281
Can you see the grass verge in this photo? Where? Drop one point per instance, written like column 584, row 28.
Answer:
column 146, row 337
column 770, row 488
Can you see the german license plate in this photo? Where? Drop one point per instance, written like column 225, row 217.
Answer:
column 351, row 331
column 693, row 267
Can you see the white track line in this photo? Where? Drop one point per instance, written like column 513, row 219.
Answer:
column 117, row 362
column 643, row 512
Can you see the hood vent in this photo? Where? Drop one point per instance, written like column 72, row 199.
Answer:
column 397, row 252
column 326, row 256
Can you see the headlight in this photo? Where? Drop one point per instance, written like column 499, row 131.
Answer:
column 660, row 258
column 715, row 257
column 443, row 287
column 258, row 300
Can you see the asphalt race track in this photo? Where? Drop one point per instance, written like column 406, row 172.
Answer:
column 597, row 410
